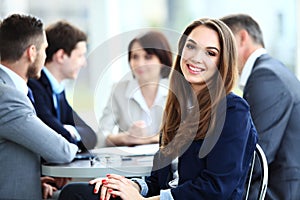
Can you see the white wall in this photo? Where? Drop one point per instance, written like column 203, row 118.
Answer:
column 109, row 21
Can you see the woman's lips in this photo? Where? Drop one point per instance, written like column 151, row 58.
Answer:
column 195, row 69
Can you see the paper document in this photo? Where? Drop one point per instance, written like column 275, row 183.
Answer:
column 139, row 150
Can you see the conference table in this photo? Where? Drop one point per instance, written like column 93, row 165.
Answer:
column 126, row 161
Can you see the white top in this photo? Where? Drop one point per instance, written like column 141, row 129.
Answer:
column 18, row 81
column 249, row 66
column 127, row 105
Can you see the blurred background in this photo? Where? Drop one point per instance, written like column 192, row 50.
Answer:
column 111, row 24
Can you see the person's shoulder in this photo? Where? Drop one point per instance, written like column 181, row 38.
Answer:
column 269, row 63
column 9, row 95
column 123, row 82
column 236, row 102
column 34, row 84
column 124, row 85
column 273, row 70
column 9, row 91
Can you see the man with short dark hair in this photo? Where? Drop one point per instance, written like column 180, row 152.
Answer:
column 273, row 93
column 66, row 55
column 24, row 138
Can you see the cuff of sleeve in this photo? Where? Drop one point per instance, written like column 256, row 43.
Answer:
column 143, row 185
column 74, row 131
column 166, row 195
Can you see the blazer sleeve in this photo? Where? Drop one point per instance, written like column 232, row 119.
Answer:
column 20, row 125
column 87, row 134
column 271, row 106
column 160, row 174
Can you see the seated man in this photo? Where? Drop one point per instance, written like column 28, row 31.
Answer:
column 66, row 54
column 24, row 138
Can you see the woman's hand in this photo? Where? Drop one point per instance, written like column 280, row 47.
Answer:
column 138, row 129
column 98, row 183
column 120, row 186
column 116, row 185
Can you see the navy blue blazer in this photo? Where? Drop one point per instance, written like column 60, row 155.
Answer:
column 222, row 173
column 44, row 106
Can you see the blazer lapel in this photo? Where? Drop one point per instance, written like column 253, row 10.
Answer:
column 46, row 83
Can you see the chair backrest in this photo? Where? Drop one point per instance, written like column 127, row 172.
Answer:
column 260, row 155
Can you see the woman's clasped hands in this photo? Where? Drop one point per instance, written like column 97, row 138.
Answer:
column 115, row 185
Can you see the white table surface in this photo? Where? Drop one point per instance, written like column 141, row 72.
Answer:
column 125, row 161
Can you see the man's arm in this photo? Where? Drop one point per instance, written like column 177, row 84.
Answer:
column 20, row 125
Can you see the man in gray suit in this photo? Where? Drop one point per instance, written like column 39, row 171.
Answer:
column 24, row 138
column 273, row 93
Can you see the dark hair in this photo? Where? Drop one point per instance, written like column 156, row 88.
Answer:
column 155, row 43
column 17, row 33
column 238, row 22
column 62, row 35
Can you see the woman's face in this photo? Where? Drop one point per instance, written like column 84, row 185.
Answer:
column 200, row 56
column 145, row 67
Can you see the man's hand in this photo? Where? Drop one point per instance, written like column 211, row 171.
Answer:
column 47, row 189
column 50, row 185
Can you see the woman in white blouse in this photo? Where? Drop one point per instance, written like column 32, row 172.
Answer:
column 136, row 106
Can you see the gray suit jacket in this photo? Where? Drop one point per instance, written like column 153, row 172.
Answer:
column 273, row 93
column 24, row 139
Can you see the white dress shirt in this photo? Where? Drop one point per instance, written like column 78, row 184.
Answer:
column 18, row 81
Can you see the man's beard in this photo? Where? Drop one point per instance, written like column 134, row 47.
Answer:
column 34, row 70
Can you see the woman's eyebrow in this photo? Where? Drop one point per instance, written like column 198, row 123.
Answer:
column 214, row 48
column 192, row 41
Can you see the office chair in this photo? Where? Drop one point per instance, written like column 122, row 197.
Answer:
column 260, row 155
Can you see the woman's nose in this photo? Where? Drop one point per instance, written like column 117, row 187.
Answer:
column 198, row 57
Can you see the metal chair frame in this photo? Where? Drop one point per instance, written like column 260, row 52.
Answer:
column 259, row 153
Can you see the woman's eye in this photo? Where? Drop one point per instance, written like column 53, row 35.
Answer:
column 134, row 57
column 148, row 57
column 211, row 53
column 190, row 46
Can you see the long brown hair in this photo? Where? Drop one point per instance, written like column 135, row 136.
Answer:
column 189, row 116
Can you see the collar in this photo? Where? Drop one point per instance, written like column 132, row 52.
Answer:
column 18, row 81
column 249, row 66
column 133, row 91
column 163, row 90
column 56, row 87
